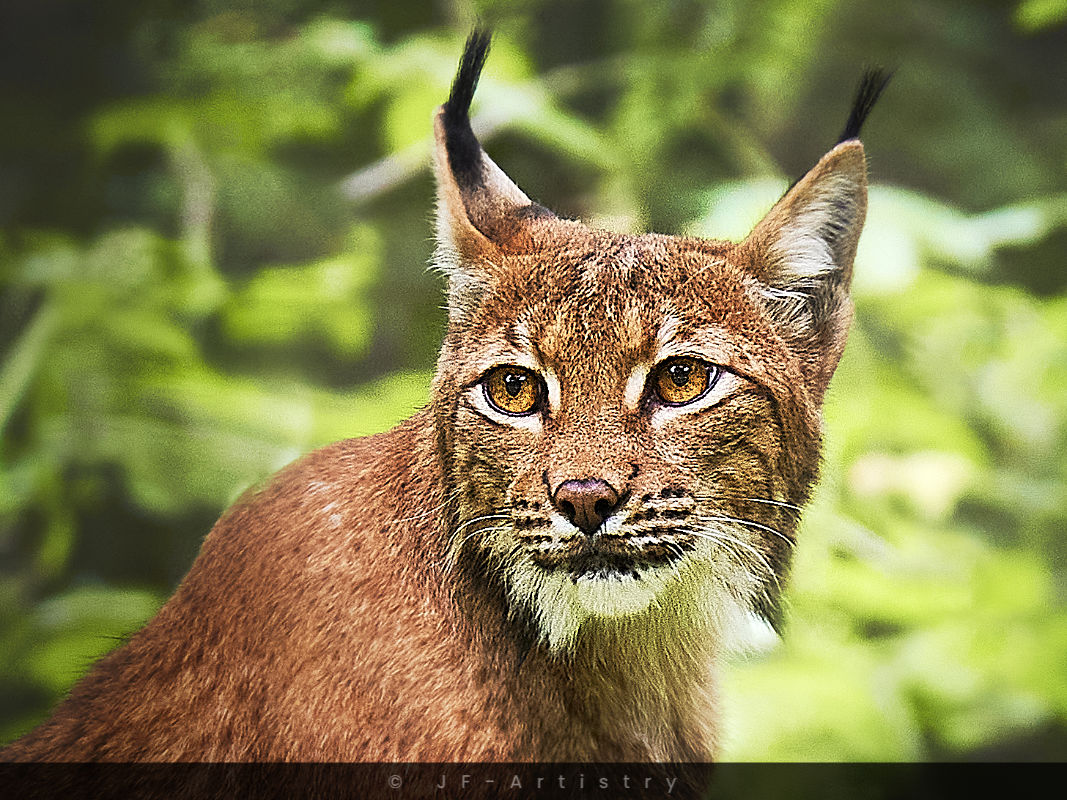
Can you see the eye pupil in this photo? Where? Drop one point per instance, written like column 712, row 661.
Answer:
column 514, row 383
column 680, row 373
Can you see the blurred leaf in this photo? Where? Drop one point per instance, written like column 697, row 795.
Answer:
column 1036, row 15
column 22, row 360
column 325, row 299
column 81, row 625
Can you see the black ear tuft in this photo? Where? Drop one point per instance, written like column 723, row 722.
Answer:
column 871, row 86
column 464, row 151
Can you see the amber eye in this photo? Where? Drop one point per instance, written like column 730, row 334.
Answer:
column 513, row 390
column 682, row 380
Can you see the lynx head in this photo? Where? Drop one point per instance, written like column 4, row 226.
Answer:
column 631, row 424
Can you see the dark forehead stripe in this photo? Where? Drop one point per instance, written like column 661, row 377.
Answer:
column 610, row 292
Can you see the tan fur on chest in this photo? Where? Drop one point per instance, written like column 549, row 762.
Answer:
column 547, row 562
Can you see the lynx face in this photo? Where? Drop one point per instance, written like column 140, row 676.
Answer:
column 616, row 430
column 628, row 423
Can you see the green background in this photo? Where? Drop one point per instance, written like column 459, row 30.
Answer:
column 214, row 233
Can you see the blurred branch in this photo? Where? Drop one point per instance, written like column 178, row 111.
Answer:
column 23, row 359
column 747, row 152
column 198, row 200
column 397, row 168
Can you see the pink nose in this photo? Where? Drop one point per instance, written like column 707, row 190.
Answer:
column 586, row 503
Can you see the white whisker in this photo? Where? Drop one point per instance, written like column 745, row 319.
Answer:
column 481, row 518
column 481, row 531
column 718, row 497
column 721, row 537
column 674, row 546
column 782, row 503
column 426, row 512
column 752, row 524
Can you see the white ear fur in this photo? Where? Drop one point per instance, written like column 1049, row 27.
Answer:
column 802, row 254
column 809, row 245
column 814, row 229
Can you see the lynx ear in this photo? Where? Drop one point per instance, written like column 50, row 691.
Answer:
column 802, row 251
column 480, row 211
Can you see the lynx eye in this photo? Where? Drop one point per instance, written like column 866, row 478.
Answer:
column 513, row 390
column 682, row 380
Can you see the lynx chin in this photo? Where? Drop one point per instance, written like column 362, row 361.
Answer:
column 548, row 561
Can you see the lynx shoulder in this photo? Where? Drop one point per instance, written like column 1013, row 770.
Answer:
column 548, row 561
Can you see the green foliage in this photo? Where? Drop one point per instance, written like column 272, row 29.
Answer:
column 1033, row 15
column 240, row 277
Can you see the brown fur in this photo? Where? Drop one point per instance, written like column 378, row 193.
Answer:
column 388, row 599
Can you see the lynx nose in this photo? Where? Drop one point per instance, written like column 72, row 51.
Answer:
column 586, row 503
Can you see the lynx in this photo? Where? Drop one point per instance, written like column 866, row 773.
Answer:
column 548, row 562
